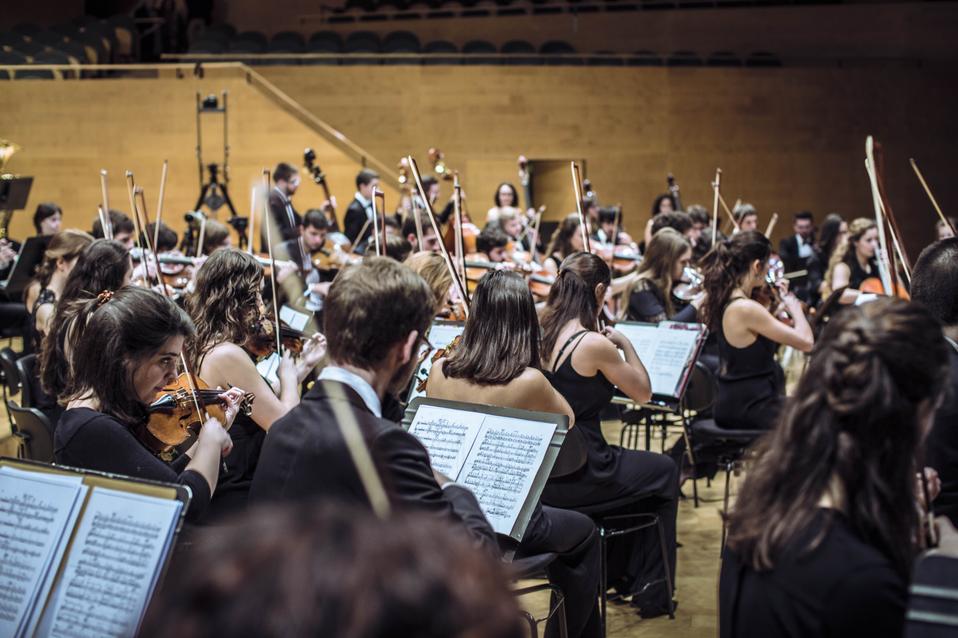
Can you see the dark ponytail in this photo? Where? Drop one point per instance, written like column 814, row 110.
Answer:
column 724, row 266
column 572, row 297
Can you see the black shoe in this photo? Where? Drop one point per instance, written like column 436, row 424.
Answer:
column 647, row 612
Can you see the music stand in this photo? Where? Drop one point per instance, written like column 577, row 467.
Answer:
column 14, row 192
column 21, row 273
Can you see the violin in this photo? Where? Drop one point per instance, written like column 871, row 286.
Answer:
column 690, row 284
column 263, row 342
column 333, row 255
column 436, row 356
column 874, row 286
column 173, row 419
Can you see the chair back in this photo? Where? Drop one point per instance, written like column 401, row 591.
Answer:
column 700, row 392
column 573, row 455
column 933, row 601
column 33, row 429
column 27, row 369
column 11, row 376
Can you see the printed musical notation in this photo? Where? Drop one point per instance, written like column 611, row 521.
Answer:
column 35, row 513
column 113, row 565
column 496, row 457
column 665, row 352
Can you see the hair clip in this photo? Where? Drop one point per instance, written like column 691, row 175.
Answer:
column 103, row 297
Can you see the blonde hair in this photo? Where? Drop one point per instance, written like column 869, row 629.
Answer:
column 856, row 230
column 666, row 247
column 432, row 268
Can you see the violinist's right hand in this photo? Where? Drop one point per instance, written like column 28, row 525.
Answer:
column 7, row 253
column 617, row 338
column 287, row 372
column 214, row 434
column 234, row 399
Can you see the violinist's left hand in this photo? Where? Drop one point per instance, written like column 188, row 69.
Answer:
column 284, row 272
column 233, row 398
column 314, row 349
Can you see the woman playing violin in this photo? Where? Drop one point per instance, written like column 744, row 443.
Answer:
column 432, row 268
column 566, row 240
column 127, row 347
column 227, row 308
column 651, row 297
column 60, row 257
column 751, row 384
column 854, row 260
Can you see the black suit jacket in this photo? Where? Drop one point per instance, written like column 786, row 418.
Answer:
column 353, row 222
column 305, row 458
column 277, row 208
column 788, row 251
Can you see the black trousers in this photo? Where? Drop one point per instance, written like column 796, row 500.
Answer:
column 574, row 538
column 15, row 315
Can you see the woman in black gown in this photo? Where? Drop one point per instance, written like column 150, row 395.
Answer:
column 585, row 366
column 824, row 530
column 751, row 385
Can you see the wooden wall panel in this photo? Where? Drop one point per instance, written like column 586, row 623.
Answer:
column 70, row 130
column 787, row 139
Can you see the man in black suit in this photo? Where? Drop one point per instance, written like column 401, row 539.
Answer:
column 798, row 253
column 934, row 284
column 357, row 224
column 375, row 316
column 287, row 221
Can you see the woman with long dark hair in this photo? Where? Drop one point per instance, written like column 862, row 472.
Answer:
column 498, row 363
column 126, row 349
column 650, row 297
column 565, row 240
column 824, row 528
column 103, row 265
column 228, row 310
column 586, row 365
column 751, row 385
column 51, row 275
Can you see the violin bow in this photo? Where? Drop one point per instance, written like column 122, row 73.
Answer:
column 427, row 206
column 731, row 216
column 583, row 222
column 379, row 196
column 716, row 196
column 272, row 259
column 883, row 266
column 896, row 237
column 934, row 202
column 131, row 190
column 252, row 219
column 457, row 205
column 159, row 204
column 201, row 414
column 106, row 224
column 771, row 225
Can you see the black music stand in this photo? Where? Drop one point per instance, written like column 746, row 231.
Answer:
column 14, row 192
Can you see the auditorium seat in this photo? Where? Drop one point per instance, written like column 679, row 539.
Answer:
column 207, row 46
column 287, row 42
column 476, row 47
column 440, row 46
column 555, row 50
column 723, row 58
column 605, row 58
column 325, row 42
column 644, row 58
column 401, row 42
column 762, row 58
column 523, row 53
column 221, row 30
column 361, row 42
column 127, row 35
column 255, row 38
column 683, row 58
column 10, row 57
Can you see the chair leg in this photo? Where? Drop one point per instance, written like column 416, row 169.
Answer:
column 603, row 578
column 533, row 626
column 665, row 566
column 725, row 501
column 695, row 492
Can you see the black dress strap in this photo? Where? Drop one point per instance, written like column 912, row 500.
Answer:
column 568, row 342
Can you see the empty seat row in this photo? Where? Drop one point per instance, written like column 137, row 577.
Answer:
column 87, row 40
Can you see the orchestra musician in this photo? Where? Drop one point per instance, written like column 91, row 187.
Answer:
column 498, row 363
column 430, row 242
column 47, row 219
column 746, row 217
column 565, row 241
column 700, row 221
column 832, row 234
column 506, row 198
column 798, row 253
column 650, row 294
column 123, row 228
column 854, row 260
column 228, row 311
column 751, row 384
column 585, row 366
column 943, row 230
column 832, row 497
column 126, row 349
column 51, row 276
column 217, row 236
column 934, row 285
column 103, row 265
column 376, row 315
column 286, row 181
column 359, row 214
column 432, row 268
column 491, row 246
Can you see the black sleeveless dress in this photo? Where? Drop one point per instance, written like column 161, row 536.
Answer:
column 613, row 473
column 42, row 401
column 858, row 274
column 751, row 385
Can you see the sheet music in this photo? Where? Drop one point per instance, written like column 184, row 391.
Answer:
column 502, row 465
column 664, row 351
column 36, row 513
column 440, row 336
column 294, row 319
column 113, row 565
column 447, row 434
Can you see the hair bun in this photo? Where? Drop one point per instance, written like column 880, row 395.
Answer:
column 103, row 297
